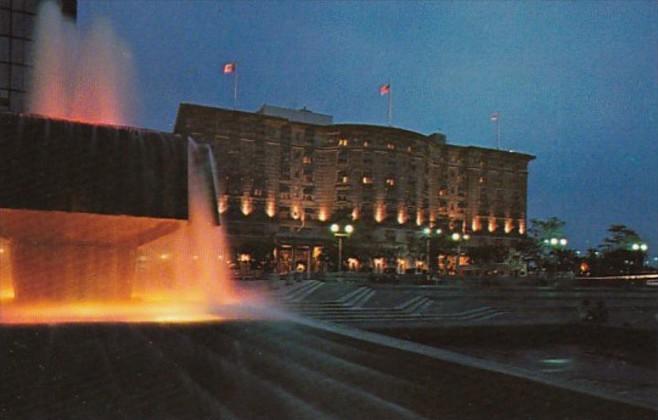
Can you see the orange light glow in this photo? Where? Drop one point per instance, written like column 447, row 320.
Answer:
column 402, row 216
column 44, row 313
column 420, row 217
column 223, row 204
column 246, row 205
column 356, row 213
column 380, row 213
column 521, row 227
column 7, row 293
column 296, row 212
column 323, row 214
column 270, row 208
column 492, row 224
column 509, row 225
column 6, row 283
column 476, row 226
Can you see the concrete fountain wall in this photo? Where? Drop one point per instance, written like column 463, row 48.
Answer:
column 76, row 200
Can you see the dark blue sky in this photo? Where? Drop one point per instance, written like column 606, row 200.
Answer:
column 576, row 82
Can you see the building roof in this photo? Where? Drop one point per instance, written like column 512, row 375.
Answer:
column 303, row 115
column 307, row 117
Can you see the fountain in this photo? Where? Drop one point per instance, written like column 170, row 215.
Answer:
column 99, row 221
column 106, row 223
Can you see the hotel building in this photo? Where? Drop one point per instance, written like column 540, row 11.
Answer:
column 287, row 175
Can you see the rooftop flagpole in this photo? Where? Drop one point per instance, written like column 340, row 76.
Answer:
column 495, row 118
column 385, row 89
column 390, row 104
column 232, row 69
column 235, row 87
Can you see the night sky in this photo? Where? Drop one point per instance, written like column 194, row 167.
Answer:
column 576, row 83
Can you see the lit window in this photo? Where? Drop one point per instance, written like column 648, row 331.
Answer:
column 307, row 160
column 365, row 143
column 342, row 142
column 409, row 149
column 344, row 179
column 390, row 146
column 390, row 182
column 367, row 179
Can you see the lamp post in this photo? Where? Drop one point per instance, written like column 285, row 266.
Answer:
column 427, row 232
column 639, row 247
column 457, row 237
column 341, row 232
column 555, row 243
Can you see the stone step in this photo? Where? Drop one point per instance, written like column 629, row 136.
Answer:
column 303, row 292
column 364, row 299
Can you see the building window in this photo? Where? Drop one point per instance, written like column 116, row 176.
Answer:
column 365, row 143
column 367, row 179
column 390, row 146
column 307, row 160
column 342, row 142
column 390, row 182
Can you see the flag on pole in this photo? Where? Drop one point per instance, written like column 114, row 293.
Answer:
column 385, row 89
column 229, row 68
column 494, row 117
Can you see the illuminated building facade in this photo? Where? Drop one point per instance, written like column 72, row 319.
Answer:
column 17, row 23
column 287, row 175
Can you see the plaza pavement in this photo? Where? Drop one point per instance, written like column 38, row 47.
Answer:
column 269, row 370
column 299, row 367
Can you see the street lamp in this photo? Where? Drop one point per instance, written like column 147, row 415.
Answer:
column 341, row 232
column 428, row 235
column 457, row 237
column 556, row 242
column 639, row 246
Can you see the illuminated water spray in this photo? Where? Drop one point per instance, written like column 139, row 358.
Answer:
column 80, row 76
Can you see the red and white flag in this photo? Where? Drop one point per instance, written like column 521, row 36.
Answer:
column 494, row 117
column 229, row 68
column 385, row 89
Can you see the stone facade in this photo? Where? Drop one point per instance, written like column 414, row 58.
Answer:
column 285, row 181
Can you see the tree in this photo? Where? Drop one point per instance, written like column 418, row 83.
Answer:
column 541, row 230
column 620, row 237
column 546, row 246
column 623, row 252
